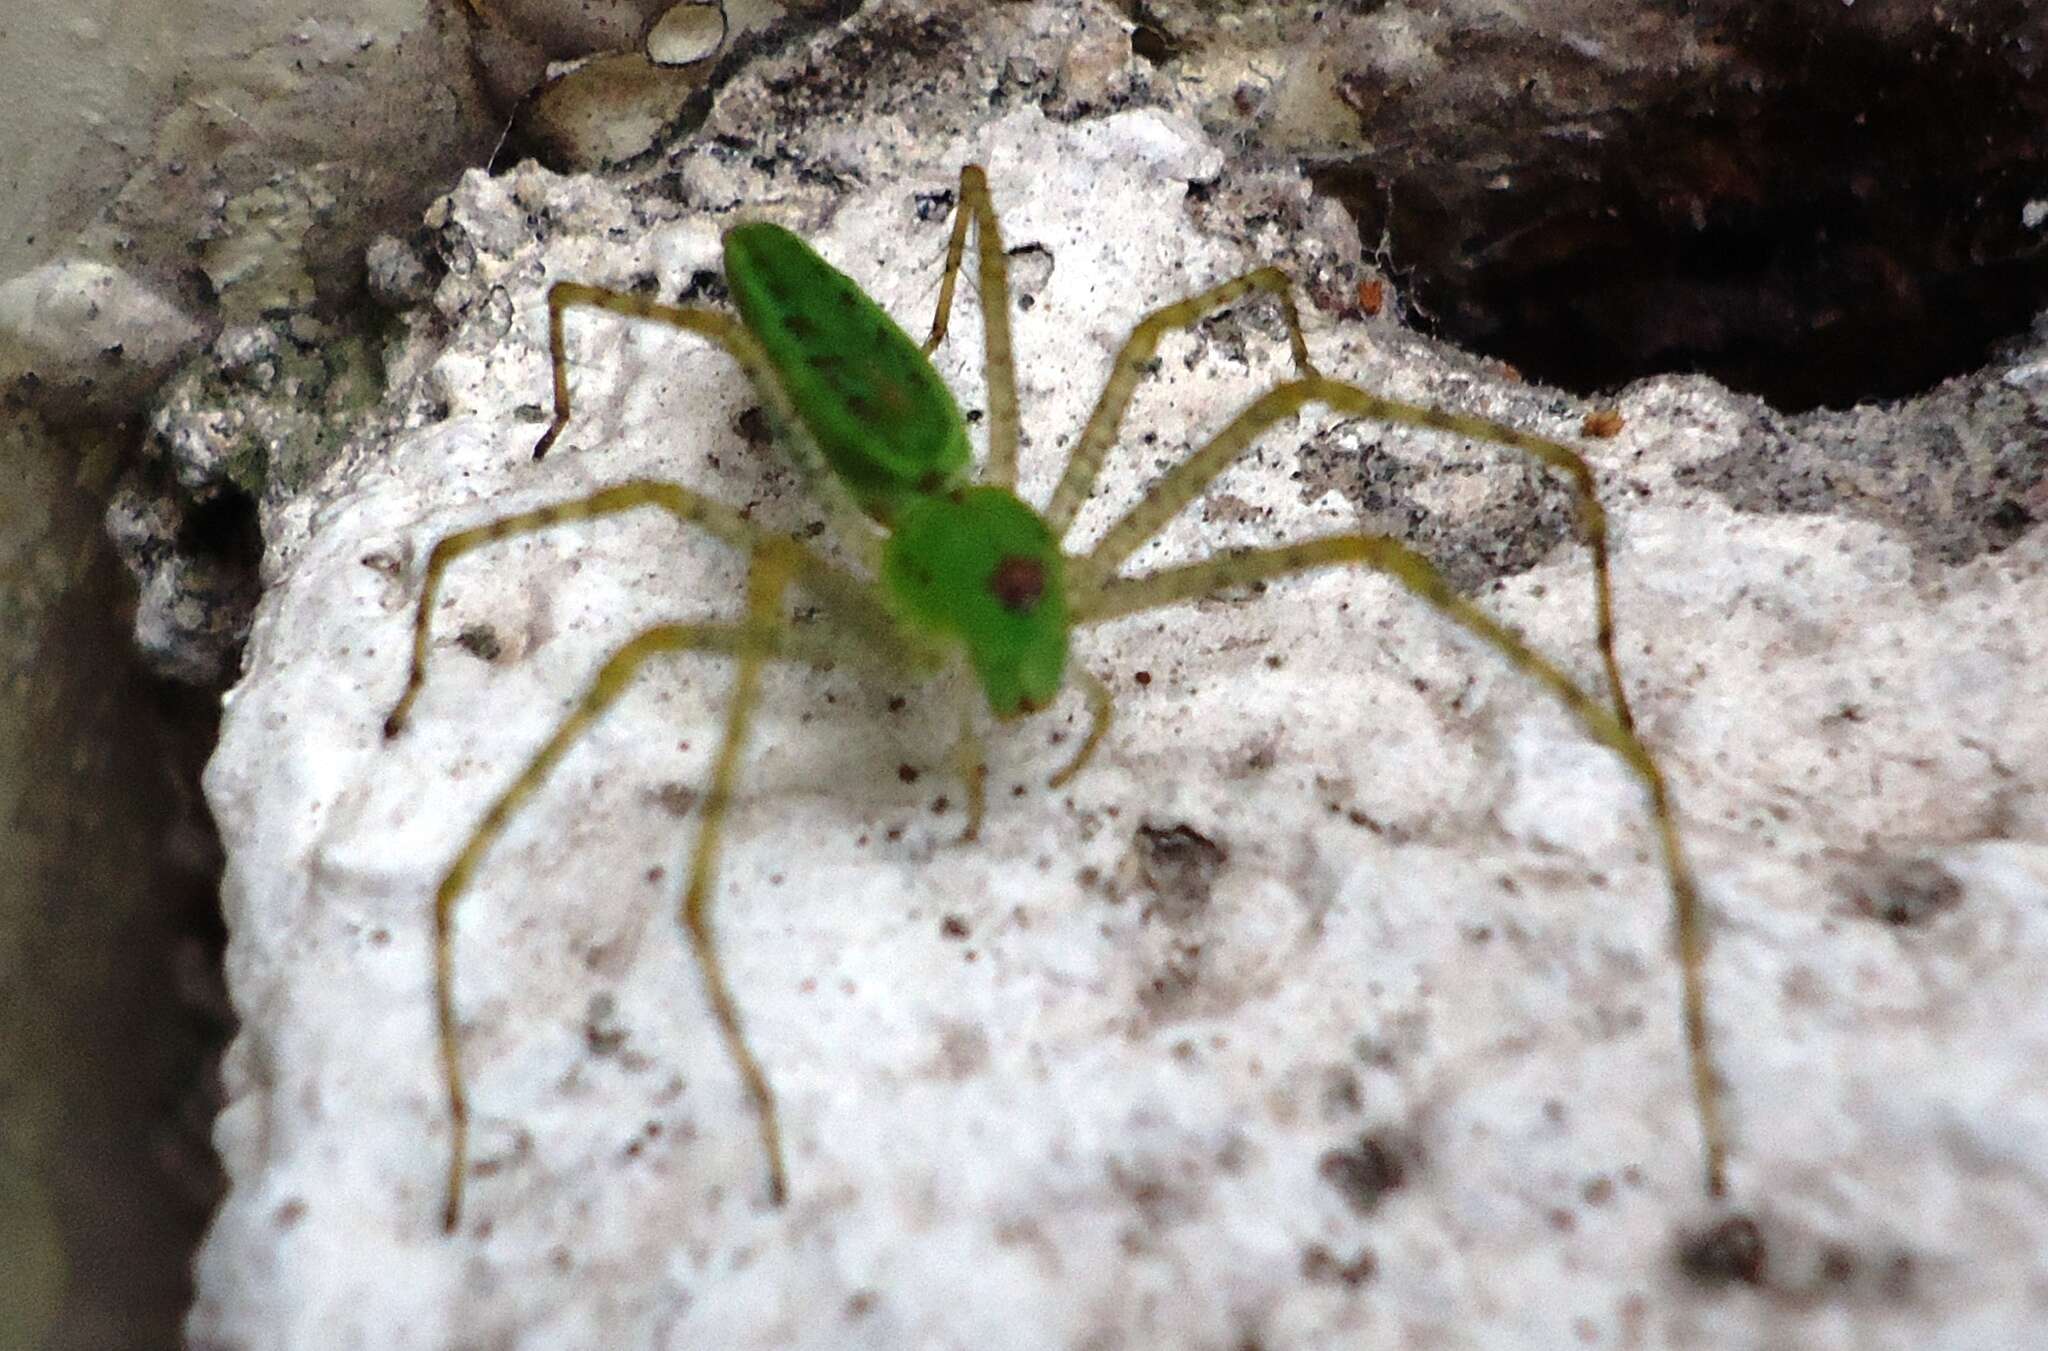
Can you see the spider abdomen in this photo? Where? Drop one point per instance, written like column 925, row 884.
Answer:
column 884, row 420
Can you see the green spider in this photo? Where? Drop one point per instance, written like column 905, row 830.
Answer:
column 953, row 571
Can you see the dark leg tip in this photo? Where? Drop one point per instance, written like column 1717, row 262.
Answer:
column 393, row 725
column 547, row 439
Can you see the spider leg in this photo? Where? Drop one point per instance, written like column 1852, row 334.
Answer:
column 970, row 759
column 1134, row 359
column 1172, row 586
column 772, row 570
column 842, row 593
column 970, row 762
column 849, row 524
column 1100, row 712
column 763, row 634
column 999, row 355
column 1192, row 477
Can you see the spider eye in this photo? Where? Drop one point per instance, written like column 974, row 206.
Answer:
column 1017, row 583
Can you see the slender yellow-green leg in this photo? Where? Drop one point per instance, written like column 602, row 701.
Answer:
column 844, row 595
column 999, row 360
column 1135, row 358
column 1173, row 586
column 1189, row 479
column 848, row 523
column 774, row 567
column 750, row 641
column 1100, row 712
column 970, row 762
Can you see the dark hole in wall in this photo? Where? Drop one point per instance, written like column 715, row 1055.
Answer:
column 224, row 528
column 1848, row 221
column 1151, row 41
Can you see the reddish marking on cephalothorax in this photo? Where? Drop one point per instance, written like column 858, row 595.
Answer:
column 1017, row 583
